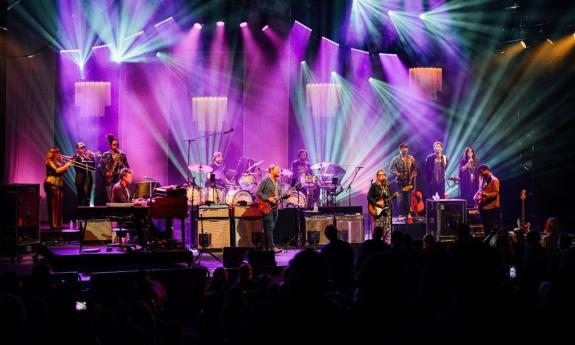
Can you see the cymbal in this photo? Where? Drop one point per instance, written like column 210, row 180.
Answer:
column 286, row 172
column 255, row 165
column 200, row 168
column 321, row 165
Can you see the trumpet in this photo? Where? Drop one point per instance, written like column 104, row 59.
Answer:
column 81, row 165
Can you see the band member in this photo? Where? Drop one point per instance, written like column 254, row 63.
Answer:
column 487, row 198
column 435, row 165
column 301, row 166
column 121, row 194
column 270, row 191
column 379, row 202
column 111, row 163
column 468, row 176
column 404, row 169
column 54, row 186
column 84, row 179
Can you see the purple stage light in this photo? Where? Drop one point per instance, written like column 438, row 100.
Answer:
column 265, row 28
column 243, row 24
column 198, row 26
column 220, row 23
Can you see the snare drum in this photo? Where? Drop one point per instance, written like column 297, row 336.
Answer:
column 215, row 195
column 247, row 182
column 292, row 200
column 195, row 196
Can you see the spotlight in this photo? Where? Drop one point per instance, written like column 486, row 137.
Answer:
column 523, row 44
column 220, row 23
column 333, row 73
column 550, row 42
column 158, row 54
column 303, row 62
column 370, row 79
column 265, row 28
column 198, row 26
column 390, row 12
column 243, row 24
column 422, row 16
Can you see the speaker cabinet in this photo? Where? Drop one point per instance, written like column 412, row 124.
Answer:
column 350, row 228
column 315, row 226
column 249, row 232
column 216, row 232
column 444, row 215
column 20, row 225
column 98, row 230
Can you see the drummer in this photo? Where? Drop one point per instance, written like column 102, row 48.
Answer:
column 301, row 166
column 223, row 176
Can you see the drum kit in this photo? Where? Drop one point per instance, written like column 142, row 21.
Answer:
column 229, row 187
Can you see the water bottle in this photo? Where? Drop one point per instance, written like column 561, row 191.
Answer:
column 71, row 225
column 315, row 206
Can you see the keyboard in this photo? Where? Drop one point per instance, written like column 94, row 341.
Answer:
column 120, row 204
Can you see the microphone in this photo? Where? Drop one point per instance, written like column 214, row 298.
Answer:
column 228, row 131
column 360, row 167
column 371, row 182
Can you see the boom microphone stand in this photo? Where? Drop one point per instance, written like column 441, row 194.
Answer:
column 203, row 241
column 348, row 188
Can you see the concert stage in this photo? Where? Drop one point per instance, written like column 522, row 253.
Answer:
column 100, row 257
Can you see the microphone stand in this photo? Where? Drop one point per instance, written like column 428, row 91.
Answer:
column 348, row 188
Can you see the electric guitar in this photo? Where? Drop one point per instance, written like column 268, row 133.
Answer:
column 375, row 211
column 266, row 207
column 521, row 225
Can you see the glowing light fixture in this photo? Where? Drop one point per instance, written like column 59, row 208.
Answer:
column 198, row 26
column 220, row 23
column 243, row 24
column 429, row 80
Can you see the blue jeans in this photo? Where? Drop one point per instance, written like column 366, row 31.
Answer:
column 269, row 224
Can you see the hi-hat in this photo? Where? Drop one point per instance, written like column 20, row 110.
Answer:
column 200, row 168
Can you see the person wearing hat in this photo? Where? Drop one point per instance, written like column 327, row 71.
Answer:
column 54, row 186
column 404, row 169
column 84, row 178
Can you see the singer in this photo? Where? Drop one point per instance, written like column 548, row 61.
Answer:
column 468, row 176
column 435, row 165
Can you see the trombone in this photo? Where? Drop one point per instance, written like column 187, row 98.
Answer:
column 81, row 165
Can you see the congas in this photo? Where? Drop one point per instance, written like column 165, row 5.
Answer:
column 215, row 195
column 247, row 182
column 195, row 196
column 296, row 199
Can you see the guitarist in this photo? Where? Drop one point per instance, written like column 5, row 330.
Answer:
column 269, row 191
column 404, row 169
column 110, row 165
column 379, row 197
column 487, row 197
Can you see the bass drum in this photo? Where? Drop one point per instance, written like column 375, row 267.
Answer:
column 195, row 196
column 237, row 196
column 294, row 201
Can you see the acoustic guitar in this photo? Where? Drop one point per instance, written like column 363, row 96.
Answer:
column 417, row 205
column 375, row 211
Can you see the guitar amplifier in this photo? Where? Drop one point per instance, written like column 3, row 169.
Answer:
column 216, row 233
column 350, row 228
column 444, row 215
column 213, row 211
column 315, row 226
column 249, row 232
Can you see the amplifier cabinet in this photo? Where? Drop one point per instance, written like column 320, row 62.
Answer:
column 350, row 227
column 444, row 215
column 315, row 224
column 20, row 224
column 216, row 232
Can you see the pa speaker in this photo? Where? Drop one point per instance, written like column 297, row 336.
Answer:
column 234, row 256
column 444, row 215
column 262, row 258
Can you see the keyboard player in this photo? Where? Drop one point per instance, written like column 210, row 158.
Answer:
column 121, row 194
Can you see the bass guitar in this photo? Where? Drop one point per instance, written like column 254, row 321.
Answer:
column 266, row 207
column 375, row 211
column 521, row 225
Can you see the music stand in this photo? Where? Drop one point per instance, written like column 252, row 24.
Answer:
column 203, row 240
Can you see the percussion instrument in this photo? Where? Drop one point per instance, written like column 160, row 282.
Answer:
column 200, row 168
column 236, row 196
column 248, row 182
